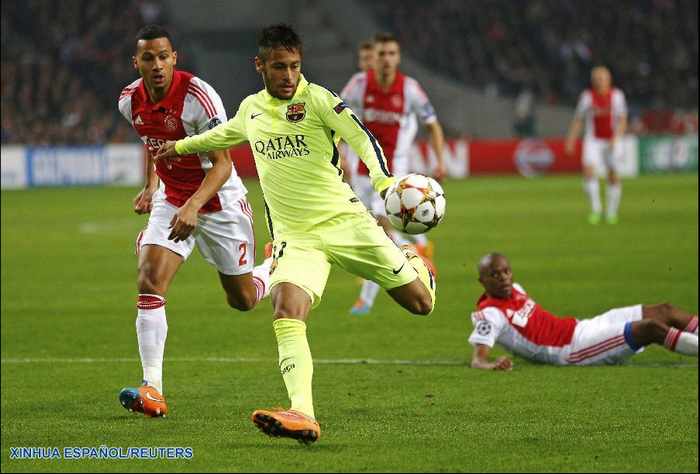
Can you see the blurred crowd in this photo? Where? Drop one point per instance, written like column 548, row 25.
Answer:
column 547, row 47
column 65, row 62
column 63, row 66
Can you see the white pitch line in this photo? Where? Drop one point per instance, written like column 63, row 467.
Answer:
column 227, row 360
column 257, row 360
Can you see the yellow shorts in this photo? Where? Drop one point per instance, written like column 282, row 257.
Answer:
column 354, row 242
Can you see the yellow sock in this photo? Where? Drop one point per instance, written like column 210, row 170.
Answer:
column 424, row 276
column 295, row 363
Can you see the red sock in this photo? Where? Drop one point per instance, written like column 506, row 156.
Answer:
column 692, row 325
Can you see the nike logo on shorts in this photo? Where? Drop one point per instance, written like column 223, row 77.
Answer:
column 396, row 272
column 252, row 116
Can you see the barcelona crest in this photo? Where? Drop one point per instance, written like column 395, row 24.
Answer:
column 296, row 112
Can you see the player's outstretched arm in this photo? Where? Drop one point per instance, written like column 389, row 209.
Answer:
column 437, row 142
column 480, row 359
column 337, row 116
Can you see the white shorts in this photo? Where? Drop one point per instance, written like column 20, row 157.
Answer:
column 362, row 185
column 601, row 155
column 224, row 238
column 602, row 340
column 364, row 190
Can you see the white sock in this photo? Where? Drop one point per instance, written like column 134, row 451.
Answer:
column 261, row 278
column 592, row 188
column 614, row 194
column 398, row 238
column 369, row 291
column 418, row 239
column 682, row 342
column 151, row 331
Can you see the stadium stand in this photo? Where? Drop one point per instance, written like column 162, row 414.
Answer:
column 550, row 45
column 63, row 65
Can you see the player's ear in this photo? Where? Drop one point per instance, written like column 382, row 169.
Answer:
column 174, row 58
column 259, row 63
column 134, row 63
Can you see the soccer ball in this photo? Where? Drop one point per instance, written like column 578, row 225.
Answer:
column 415, row 204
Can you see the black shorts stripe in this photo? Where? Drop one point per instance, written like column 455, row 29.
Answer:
column 375, row 145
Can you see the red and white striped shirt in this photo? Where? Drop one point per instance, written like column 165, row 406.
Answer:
column 191, row 106
column 521, row 326
column 389, row 114
column 602, row 112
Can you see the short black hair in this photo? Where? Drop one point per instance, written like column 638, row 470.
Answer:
column 280, row 35
column 386, row 37
column 366, row 44
column 152, row 31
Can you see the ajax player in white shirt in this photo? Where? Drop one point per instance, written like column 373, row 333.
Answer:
column 390, row 104
column 604, row 111
column 197, row 201
column 507, row 315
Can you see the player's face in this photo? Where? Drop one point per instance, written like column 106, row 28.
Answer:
column 497, row 278
column 155, row 60
column 366, row 57
column 601, row 79
column 388, row 57
column 280, row 71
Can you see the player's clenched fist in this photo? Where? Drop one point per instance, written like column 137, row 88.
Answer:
column 503, row 363
column 143, row 202
column 183, row 223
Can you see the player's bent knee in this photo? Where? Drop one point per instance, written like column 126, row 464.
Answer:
column 422, row 305
column 242, row 302
column 147, row 283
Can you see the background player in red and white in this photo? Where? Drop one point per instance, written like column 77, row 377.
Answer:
column 366, row 59
column 604, row 109
column 390, row 104
column 200, row 201
column 507, row 315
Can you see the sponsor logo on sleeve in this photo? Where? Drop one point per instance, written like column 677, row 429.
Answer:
column 213, row 122
column 483, row 328
column 340, row 107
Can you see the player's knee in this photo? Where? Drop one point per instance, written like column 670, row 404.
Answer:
column 653, row 331
column 242, row 302
column 147, row 282
column 422, row 305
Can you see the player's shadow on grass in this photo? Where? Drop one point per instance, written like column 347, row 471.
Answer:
column 291, row 445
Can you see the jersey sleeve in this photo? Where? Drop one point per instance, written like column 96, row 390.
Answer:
column 619, row 103
column 220, row 137
column 419, row 103
column 204, row 108
column 584, row 103
column 488, row 324
column 336, row 115
column 354, row 91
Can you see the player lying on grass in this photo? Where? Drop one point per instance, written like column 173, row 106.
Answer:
column 314, row 218
column 508, row 316
column 200, row 202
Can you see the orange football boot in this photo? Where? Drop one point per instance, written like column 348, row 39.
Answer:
column 287, row 424
column 145, row 399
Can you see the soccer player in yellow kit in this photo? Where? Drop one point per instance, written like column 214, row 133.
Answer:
column 314, row 218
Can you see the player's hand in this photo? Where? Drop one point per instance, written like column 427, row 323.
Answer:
column 503, row 363
column 165, row 152
column 569, row 147
column 440, row 172
column 183, row 223
column 143, row 202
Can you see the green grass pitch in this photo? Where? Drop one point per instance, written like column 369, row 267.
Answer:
column 69, row 345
